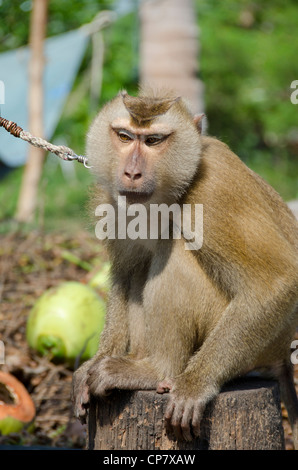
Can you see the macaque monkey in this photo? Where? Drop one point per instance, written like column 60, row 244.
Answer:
column 186, row 321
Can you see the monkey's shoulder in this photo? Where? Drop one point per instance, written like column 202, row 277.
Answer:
column 219, row 156
column 224, row 178
column 221, row 176
column 236, row 200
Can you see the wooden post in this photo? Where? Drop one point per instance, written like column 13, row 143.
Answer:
column 33, row 169
column 245, row 416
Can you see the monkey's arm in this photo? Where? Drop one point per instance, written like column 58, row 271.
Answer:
column 264, row 302
column 113, row 341
column 230, row 351
column 129, row 368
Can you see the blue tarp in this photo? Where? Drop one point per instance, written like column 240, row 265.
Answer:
column 63, row 55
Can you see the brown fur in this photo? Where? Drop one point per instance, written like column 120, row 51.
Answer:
column 143, row 110
column 188, row 321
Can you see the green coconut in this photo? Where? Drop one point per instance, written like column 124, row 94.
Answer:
column 66, row 322
column 101, row 280
column 10, row 425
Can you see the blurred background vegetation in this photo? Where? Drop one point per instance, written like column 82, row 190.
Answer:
column 248, row 60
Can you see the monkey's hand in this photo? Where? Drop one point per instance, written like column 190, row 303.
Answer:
column 80, row 391
column 185, row 410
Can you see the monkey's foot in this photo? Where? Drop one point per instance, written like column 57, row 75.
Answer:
column 82, row 404
column 102, row 377
column 122, row 373
column 80, row 393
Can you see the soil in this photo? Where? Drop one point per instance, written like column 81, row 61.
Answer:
column 30, row 264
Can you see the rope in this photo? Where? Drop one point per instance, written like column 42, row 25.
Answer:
column 63, row 152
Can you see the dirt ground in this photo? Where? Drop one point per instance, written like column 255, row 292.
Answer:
column 30, row 264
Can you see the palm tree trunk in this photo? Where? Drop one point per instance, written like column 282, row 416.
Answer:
column 169, row 48
column 27, row 201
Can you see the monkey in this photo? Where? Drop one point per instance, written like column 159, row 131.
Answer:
column 187, row 321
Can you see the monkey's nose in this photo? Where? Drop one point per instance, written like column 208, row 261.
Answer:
column 133, row 175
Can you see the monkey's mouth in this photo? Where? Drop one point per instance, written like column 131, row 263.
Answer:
column 136, row 197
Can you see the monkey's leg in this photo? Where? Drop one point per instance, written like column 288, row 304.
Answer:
column 113, row 341
column 289, row 397
column 231, row 349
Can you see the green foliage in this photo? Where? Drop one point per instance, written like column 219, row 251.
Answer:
column 62, row 16
column 248, row 62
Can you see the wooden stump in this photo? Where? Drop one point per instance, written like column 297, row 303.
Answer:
column 246, row 415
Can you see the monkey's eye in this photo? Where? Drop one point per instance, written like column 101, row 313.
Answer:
column 154, row 139
column 124, row 137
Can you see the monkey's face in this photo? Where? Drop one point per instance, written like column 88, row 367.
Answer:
column 138, row 151
column 145, row 149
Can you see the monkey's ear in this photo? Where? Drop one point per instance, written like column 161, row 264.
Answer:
column 198, row 120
